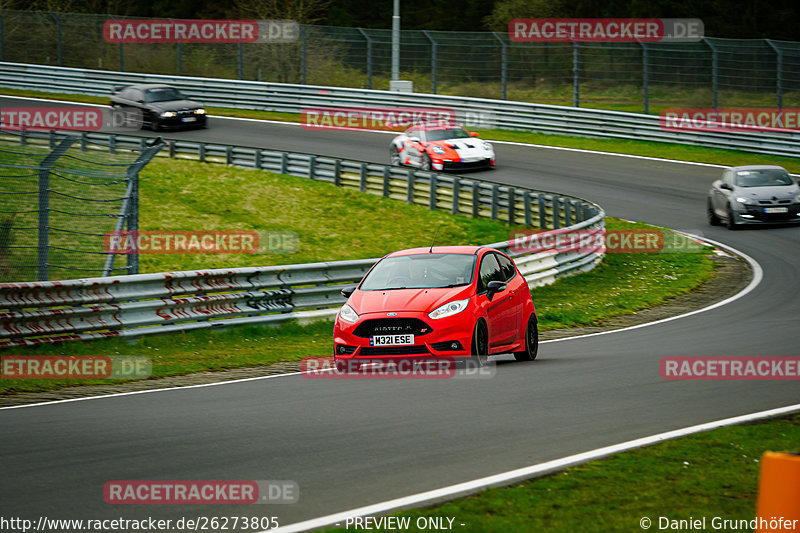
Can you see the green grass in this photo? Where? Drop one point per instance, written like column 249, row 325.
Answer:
column 622, row 284
column 704, row 475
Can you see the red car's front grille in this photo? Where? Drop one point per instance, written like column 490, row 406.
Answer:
column 392, row 326
column 394, row 350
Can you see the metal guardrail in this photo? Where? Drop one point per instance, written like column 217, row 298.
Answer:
column 486, row 113
column 142, row 304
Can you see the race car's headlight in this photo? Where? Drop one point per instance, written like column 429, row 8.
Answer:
column 169, row 114
column 743, row 200
column 487, row 146
column 438, row 150
column 347, row 314
column 200, row 111
column 449, row 309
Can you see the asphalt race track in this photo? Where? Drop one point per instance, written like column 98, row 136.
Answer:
column 351, row 443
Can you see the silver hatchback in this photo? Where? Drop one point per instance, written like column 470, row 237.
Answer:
column 755, row 194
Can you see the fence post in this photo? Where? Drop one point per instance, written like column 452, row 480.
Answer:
column 576, row 76
column 2, row 39
column 778, row 74
column 456, row 190
column 44, row 206
column 714, row 72
column 556, row 212
column 240, row 63
column 369, row 57
column 302, row 55
column 180, row 59
column 645, row 78
column 511, row 206
column 434, row 45
column 133, row 218
column 362, row 184
column 542, row 211
column 312, row 167
column 503, row 63
column 58, row 43
column 527, row 203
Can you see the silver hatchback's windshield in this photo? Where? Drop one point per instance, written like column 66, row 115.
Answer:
column 765, row 177
column 423, row 271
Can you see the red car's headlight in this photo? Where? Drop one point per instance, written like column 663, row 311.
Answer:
column 449, row 309
column 347, row 314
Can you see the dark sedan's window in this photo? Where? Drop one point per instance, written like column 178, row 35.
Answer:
column 134, row 95
column 163, row 94
column 506, row 267
column 490, row 271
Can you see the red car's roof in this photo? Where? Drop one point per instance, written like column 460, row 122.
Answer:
column 467, row 250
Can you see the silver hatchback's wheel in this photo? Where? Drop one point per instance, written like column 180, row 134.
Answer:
column 531, row 341
column 713, row 219
column 480, row 344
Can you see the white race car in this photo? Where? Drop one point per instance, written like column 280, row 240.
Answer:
column 441, row 148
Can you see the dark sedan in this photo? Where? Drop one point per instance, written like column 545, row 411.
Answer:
column 161, row 106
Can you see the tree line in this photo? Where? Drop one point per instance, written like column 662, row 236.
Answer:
column 737, row 19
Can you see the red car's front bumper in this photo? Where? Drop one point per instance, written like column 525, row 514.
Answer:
column 445, row 337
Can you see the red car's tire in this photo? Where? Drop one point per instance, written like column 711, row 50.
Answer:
column 531, row 341
column 480, row 344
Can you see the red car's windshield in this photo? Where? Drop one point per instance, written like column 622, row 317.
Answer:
column 423, row 271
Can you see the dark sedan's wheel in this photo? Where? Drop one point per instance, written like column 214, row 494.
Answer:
column 713, row 219
column 394, row 156
column 155, row 125
column 731, row 222
column 480, row 344
column 531, row 341
column 426, row 162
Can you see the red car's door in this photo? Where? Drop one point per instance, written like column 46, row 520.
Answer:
column 500, row 309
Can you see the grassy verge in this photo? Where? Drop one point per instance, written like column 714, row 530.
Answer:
column 643, row 148
column 622, row 284
column 712, row 474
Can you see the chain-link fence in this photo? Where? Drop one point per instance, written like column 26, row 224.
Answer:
column 625, row 76
column 58, row 200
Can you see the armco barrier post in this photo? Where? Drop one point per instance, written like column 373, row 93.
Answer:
column 778, row 491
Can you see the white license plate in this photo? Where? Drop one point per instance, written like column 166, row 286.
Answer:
column 776, row 209
column 391, row 340
column 189, row 119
